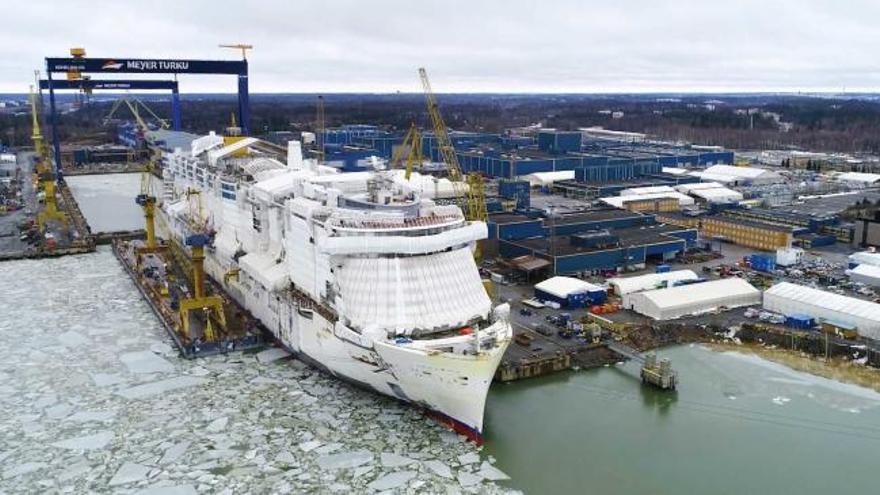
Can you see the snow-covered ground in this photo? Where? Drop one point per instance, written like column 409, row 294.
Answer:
column 94, row 399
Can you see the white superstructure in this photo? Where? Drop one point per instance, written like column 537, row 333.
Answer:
column 358, row 273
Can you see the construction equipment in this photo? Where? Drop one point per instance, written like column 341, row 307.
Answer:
column 240, row 46
column 45, row 173
column 475, row 196
column 147, row 201
column 200, row 236
column 133, row 108
column 410, row 151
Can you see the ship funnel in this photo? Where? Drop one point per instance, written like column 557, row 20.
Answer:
column 294, row 155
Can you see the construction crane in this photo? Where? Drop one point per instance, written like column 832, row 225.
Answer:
column 475, row 196
column 133, row 108
column 240, row 46
column 410, row 151
column 45, row 174
column 198, row 237
column 147, row 201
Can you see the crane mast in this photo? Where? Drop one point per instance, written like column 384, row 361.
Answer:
column 475, row 196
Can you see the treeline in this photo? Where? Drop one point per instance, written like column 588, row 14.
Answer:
column 740, row 122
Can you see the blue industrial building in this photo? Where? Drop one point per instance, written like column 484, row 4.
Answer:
column 600, row 240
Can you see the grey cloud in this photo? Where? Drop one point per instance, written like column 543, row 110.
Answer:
column 491, row 45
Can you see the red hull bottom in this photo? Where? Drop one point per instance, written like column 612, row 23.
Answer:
column 457, row 426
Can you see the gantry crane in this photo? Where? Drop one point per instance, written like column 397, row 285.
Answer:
column 411, row 148
column 474, row 195
column 197, row 238
column 45, row 172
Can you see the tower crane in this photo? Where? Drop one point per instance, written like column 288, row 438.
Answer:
column 239, row 46
column 410, row 151
column 475, row 195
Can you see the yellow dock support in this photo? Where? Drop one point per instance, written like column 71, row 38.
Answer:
column 210, row 305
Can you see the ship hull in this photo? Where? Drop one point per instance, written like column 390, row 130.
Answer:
column 451, row 388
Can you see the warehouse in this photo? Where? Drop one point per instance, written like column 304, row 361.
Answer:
column 710, row 192
column 748, row 233
column 787, row 298
column 630, row 249
column 650, row 281
column 675, row 302
column 570, row 292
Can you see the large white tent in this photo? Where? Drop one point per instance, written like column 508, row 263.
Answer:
column 628, row 285
column 675, row 302
column 864, row 258
column 788, row 299
column 866, row 274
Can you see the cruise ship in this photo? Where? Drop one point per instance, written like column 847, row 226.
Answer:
column 363, row 274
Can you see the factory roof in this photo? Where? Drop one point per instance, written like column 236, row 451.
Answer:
column 506, row 218
column 596, row 216
column 627, row 237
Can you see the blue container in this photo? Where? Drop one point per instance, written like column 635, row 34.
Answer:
column 663, row 268
column 800, row 321
column 762, row 263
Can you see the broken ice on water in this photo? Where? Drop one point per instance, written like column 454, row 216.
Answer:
column 94, row 399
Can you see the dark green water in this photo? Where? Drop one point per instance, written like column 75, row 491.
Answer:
column 738, row 424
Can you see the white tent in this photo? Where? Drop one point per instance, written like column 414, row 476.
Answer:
column 628, row 285
column 562, row 287
column 547, row 178
column 788, row 299
column 675, row 302
column 866, row 274
column 865, row 258
column 859, row 178
column 641, row 191
column 739, row 175
column 620, row 201
column 720, row 195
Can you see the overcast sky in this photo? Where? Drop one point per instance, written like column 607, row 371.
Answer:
column 469, row 46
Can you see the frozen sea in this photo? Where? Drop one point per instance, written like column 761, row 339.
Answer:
column 94, row 399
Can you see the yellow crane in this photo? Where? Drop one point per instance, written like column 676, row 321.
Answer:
column 147, row 201
column 210, row 306
column 45, row 174
column 475, row 195
column 239, row 46
column 410, row 151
